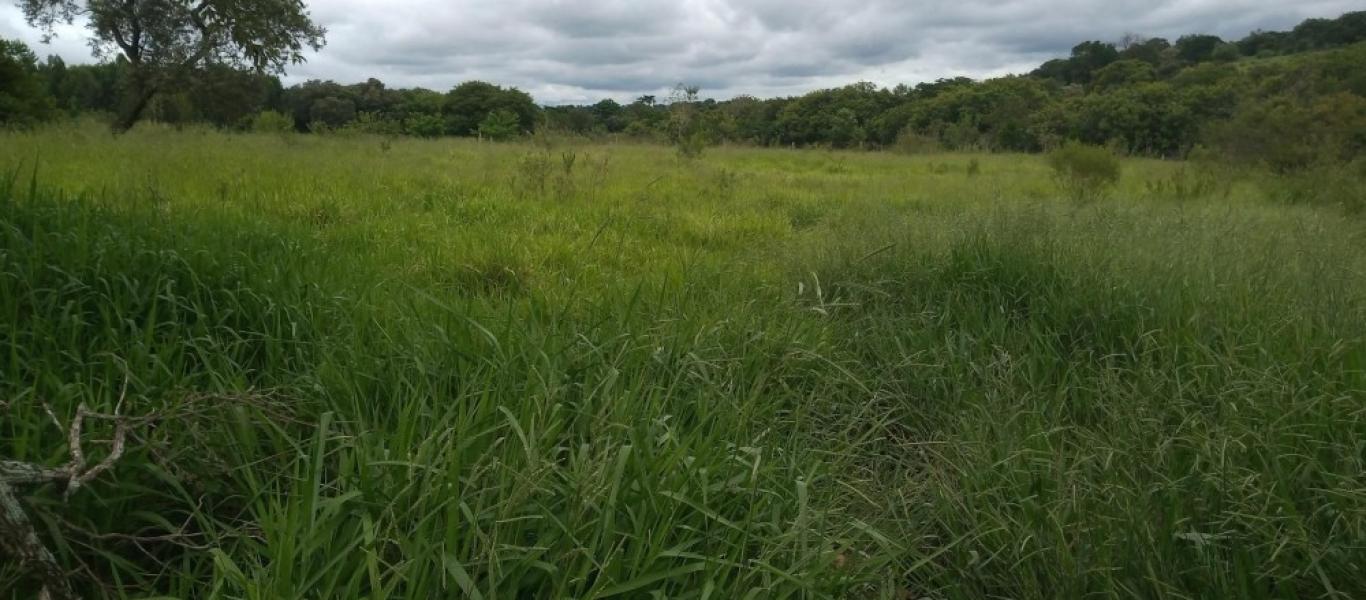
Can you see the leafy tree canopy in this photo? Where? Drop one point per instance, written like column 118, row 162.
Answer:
column 165, row 39
column 22, row 97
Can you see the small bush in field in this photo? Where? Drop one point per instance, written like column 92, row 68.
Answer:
column 1340, row 185
column 911, row 142
column 687, row 131
column 427, row 126
column 1084, row 172
column 372, row 123
column 500, row 125
column 269, row 121
column 691, row 146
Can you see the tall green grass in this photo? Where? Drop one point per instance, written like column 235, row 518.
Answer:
column 434, row 368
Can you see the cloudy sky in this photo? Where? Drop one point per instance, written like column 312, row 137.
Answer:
column 571, row 51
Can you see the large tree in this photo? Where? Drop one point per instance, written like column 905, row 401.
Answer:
column 164, row 40
column 468, row 104
column 22, row 97
column 1197, row 47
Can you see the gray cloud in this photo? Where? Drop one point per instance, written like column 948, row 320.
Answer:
column 585, row 50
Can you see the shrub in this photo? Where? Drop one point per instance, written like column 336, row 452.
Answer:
column 334, row 112
column 1084, row 172
column 371, row 123
column 962, row 136
column 1188, row 182
column 1288, row 135
column 499, row 125
column 911, row 142
column 269, row 121
column 1226, row 52
column 640, row 130
column 687, row 130
column 692, row 145
column 424, row 125
column 533, row 173
column 1339, row 185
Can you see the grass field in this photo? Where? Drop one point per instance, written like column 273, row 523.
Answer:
column 422, row 369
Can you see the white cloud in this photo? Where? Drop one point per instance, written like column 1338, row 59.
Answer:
column 584, row 50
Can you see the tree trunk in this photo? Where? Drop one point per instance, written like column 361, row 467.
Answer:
column 21, row 544
column 140, row 92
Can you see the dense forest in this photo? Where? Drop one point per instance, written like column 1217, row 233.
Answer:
column 1286, row 98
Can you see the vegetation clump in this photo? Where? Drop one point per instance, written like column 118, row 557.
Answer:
column 687, row 131
column 1084, row 173
column 269, row 121
column 23, row 100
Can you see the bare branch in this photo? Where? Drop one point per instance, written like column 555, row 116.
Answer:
column 17, row 536
column 15, row 472
column 53, row 416
column 19, row 540
column 73, row 441
column 180, row 537
column 115, row 452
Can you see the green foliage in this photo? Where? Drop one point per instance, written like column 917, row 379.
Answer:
column 332, row 111
column 226, row 97
column 974, row 168
column 1088, row 58
column 1208, row 74
column 1339, row 185
column 299, row 99
column 160, row 41
column 838, row 117
column 1197, row 48
column 687, row 131
column 910, row 142
column 1202, row 177
column 373, row 124
column 1141, row 96
column 1288, row 134
column 424, row 125
column 690, row 146
column 641, row 131
column 1148, row 119
column 469, row 104
column 83, row 88
column 173, row 109
column 1123, row 73
column 22, row 98
column 1312, row 34
column 1084, row 173
column 995, row 115
column 609, row 114
column 500, row 125
column 1149, row 50
column 1226, row 52
column 1315, row 34
column 269, row 121
column 1080, row 68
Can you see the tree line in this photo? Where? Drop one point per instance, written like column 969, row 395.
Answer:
column 1286, row 97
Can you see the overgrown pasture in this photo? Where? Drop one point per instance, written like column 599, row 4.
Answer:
column 357, row 367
